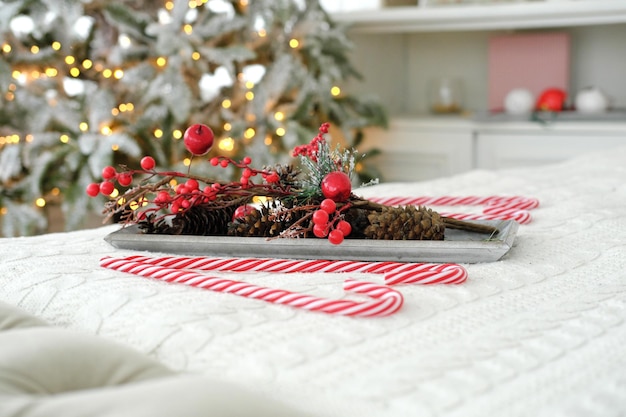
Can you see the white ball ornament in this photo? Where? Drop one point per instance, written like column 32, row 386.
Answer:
column 519, row 101
column 591, row 100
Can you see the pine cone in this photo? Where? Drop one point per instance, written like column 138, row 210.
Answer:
column 203, row 220
column 405, row 223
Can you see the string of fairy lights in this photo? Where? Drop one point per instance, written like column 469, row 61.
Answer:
column 75, row 69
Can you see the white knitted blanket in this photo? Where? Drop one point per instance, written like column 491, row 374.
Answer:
column 541, row 332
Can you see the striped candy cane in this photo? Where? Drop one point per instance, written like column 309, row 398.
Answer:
column 519, row 202
column 386, row 300
column 394, row 272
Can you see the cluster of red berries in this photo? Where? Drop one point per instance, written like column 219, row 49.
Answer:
column 335, row 228
column 310, row 150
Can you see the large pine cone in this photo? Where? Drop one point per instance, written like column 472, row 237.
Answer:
column 405, row 223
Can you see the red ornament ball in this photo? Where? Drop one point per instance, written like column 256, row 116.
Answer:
column 242, row 211
column 147, row 163
column 337, row 186
column 198, row 139
column 552, row 99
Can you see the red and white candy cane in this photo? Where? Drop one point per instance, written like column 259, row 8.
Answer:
column 519, row 202
column 394, row 272
column 386, row 300
column 520, row 216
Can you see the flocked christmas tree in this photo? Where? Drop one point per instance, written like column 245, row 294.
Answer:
column 86, row 84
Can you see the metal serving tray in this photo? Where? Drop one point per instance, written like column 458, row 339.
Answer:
column 458, row 246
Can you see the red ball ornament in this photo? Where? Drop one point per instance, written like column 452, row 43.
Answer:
column 198, row 139
column 337, row 186
column 243, row 211
column 552, row 99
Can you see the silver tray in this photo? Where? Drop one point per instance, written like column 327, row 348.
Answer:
column 458, row 246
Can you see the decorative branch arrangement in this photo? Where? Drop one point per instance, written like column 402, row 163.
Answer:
column 313, row 200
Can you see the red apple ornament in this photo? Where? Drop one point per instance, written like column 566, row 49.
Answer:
column 552, row 99
column 198, row 139
column 336, row 186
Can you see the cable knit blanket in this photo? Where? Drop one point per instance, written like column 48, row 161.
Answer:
column 541, row 332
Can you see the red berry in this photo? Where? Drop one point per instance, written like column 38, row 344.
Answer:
column 93, row 189
column 125, row 179
column 247, row 160
column 272, row 178
column 224, row 163
column 162, row 197
column 108, row 173
column 320, row 217
column 214, row 161
column 106, row 187
column 198, row 139
column 147, row 163
column 328, row 206
column 243, row 211
column 344, row 227
column 335, row 237
column 320, row 230
column 182, row 189
column 192, row 184
column 337, row 186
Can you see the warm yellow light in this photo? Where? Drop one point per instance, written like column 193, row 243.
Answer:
column 16, row 74
column 115, row 111
column 98, row 66
column 74, row 72
column 158, row 133
column 177, row 134
column 268, row 140
column 188, row 29
column 280, row 131
column 335, row 91
column 29, row 138
column 161, row 61
column 40, row 202
column 133, row 205
column 106, row 130
column 262, row 33
column 87, row 63
column 3, row 211
column 34, row 49
column 51, row 72
column 115, row 192
column 107, row 73
column 6, row 48
column 227, row 126
column 64, row 138
column 56, row 45
column 187, row 162
column 122, row 107
column 195, row 56
column 121, row 201
column 115, row 148
column 192, row 4
column 279, row 115
column 9, row 96
column 69, row 60
column 118, row 74
column 169, row 5
column 249, row 133
column 227, row 144
column 249, row 85
column 173, row 182
column 294, row 43
column 226, row 103
column 249, row 95
column 250, row 117
column 35, row 74
column 83, row 126
column 243, row 3
column 55, row 191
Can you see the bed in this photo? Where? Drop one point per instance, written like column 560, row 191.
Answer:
column 540, row 332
